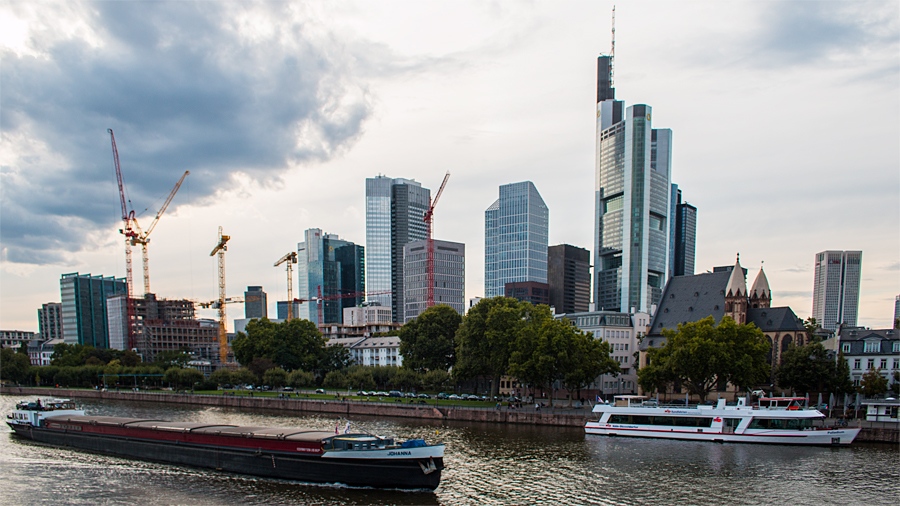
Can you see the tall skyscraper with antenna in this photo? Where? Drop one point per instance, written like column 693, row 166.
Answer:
column 632, row 192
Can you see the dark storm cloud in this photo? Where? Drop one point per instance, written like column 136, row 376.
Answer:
column 182, row 92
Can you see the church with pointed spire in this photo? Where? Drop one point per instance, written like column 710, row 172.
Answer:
column 723, row 292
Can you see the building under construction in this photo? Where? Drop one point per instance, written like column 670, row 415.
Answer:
column 162, row 325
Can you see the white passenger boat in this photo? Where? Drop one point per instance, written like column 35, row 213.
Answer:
column 774, row 420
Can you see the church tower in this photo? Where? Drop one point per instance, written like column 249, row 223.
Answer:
column 736, row 294
column 760, row 295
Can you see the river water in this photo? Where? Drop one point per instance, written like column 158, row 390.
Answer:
column 486, row 464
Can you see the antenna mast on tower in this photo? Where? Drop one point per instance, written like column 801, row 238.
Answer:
column 612, row 50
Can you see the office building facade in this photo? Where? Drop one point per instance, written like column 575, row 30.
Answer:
column 331, row 267
column 83, row 311
column 255, row 303
column 516, row 236
column 836, row 288
column 528, row 291
column 569, row 277
column 684, row 236
column 632, row 208
column 50, row 321
column 449, row 277
column 395, row 216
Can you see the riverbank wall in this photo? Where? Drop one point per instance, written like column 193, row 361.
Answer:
column 432, row 411
column 875, row 432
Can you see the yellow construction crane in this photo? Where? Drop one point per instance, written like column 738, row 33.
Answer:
column 290, row 258
column 223, row 334
column 143, row 237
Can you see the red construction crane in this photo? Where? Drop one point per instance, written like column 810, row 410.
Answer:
column 130, row 234
column 143, row 237
column 429, row 262
column 321, row 322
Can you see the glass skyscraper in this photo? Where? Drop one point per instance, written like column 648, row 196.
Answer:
column 337, row 267
column 395, row 216
column 85, row 319
column 632, row 203
column 683, row 242
column 836, row 290
column 516, row 236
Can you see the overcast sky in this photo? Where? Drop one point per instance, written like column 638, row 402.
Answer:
column 786, row 121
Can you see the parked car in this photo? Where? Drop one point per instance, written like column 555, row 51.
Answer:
column 423, row 396
column 454, row 397
column 409, row 395
column 381, row 394
column 473, row 397
column 442, row 395
column 287, row 389
column 395, row 393
column 320, row 391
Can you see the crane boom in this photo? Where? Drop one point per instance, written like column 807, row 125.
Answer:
column 429, row 258
column 290, row 258
column 128, row 231
column 143, row 237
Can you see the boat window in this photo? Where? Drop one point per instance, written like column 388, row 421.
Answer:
column 732, row 422
column 781, row 423
column 672, row 421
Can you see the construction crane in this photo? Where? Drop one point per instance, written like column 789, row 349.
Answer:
column 429, row 262
column 129, row 232
column 320, row 299
column 143, row 237
column 291, row 259
column 223, row 334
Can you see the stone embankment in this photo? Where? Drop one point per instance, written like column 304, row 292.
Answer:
column 871, row 432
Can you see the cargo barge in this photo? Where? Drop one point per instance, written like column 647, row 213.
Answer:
column 291, row 453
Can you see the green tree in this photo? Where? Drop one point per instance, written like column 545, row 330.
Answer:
column 550, row 350
column 436, row 380
column 243, row 376
column 14, row 366
column 895, row 386
column 173, row 376
column 360, row 377
column 294, row 344
column 130, row 358
column 189, row 377
column 66, row 376
column 335, row 379
column 811, row 326
column 590, row 359
column 171, row 358
column 427, row 343
column 486, row 338
column 702, row 354
column 275, row 378
column 806, row 369
column 335, row 358
column 301, row 379
column 258, row 366
column 407, row 379
column 222, row 377
column 841, row 382
column 384, row 375
column 873, row 383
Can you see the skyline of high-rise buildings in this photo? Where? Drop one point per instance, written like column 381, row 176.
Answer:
column 569, row 278
column 632, row 208
column 395, row 216
column 836, row 288
column 516, row 237
column 255, row 303
column 336, row 267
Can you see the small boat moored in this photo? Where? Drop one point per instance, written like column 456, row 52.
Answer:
column 773, row 420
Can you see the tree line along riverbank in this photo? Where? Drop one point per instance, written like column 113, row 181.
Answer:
column 433, row 410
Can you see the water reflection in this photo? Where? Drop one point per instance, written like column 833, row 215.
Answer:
column 486, row 464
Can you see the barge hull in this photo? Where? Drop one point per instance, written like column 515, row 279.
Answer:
column 406, row 474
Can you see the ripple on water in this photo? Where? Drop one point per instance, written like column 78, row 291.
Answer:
column 486, row 464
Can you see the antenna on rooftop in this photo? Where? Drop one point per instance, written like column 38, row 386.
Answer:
column 612, row 50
